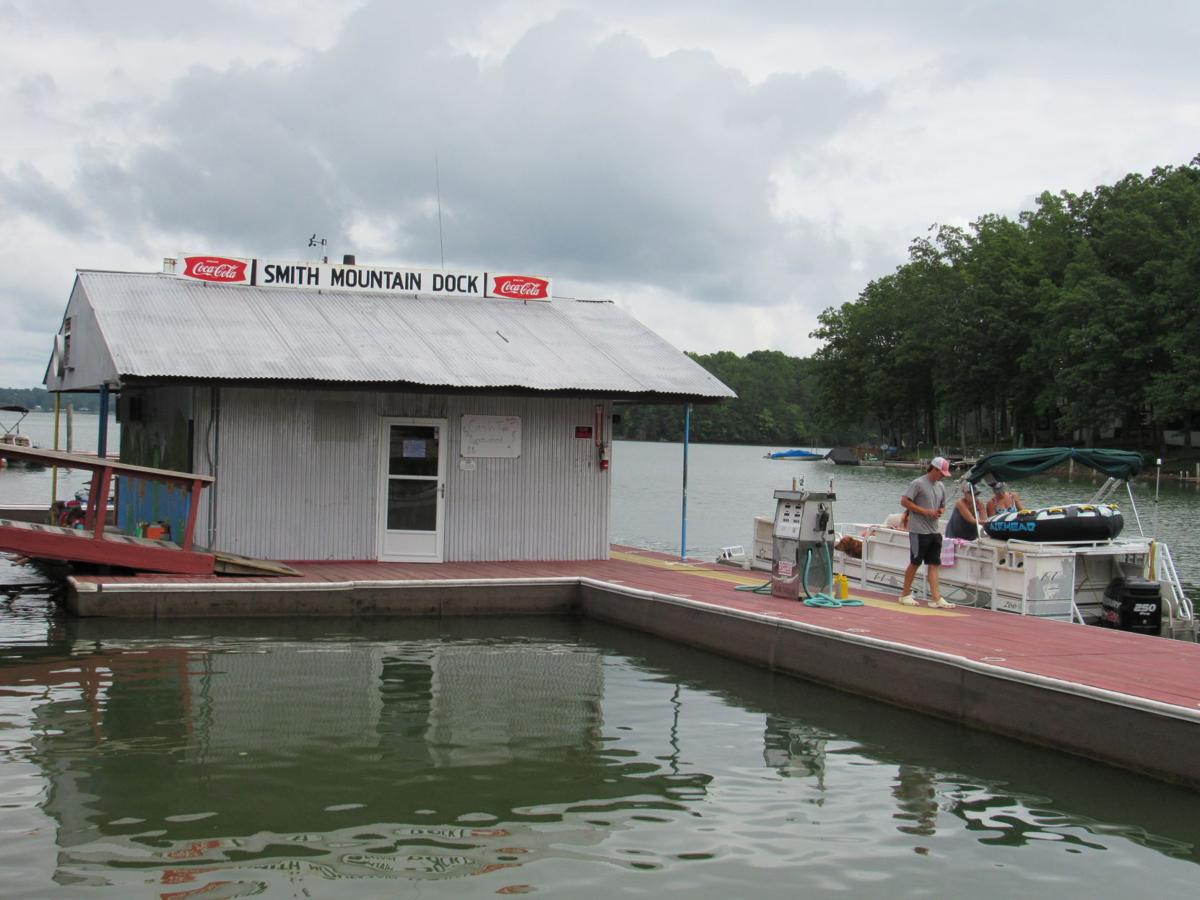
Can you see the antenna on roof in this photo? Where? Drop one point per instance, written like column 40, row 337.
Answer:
column 315, row 241
column 437, row 176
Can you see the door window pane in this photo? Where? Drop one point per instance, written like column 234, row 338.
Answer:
column 411, row 505
column 413, row 450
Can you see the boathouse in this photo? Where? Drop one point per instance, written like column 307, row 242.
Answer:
column 354, row 413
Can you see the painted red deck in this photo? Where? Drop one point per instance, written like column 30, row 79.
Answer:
column 1146, row 668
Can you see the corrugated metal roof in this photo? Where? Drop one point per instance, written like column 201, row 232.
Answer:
column 159, row 326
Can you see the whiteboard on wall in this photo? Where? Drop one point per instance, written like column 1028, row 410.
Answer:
column 497, row 437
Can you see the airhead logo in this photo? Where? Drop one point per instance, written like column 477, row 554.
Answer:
column 521, row 287
column 216, row 268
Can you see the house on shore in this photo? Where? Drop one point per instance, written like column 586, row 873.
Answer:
column 354, row 413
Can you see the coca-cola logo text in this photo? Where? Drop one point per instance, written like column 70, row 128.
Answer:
column 215, row 268
column 522, row 287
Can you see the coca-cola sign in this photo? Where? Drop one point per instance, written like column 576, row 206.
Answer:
column 216, row 268
column 521, row 287
column 320, row 275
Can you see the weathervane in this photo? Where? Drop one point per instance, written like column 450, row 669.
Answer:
column 314, row 241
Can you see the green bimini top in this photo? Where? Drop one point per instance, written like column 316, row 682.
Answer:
column 1012, row 465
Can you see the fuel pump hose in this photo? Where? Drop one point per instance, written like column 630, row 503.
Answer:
column 825, row 598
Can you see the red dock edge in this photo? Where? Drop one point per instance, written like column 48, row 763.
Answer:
column 1126, row 699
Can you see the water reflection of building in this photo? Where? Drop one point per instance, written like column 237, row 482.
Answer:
column 311, row 744
column 536, row 703
column 279, row 719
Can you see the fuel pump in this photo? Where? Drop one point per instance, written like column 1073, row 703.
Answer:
column 802, row 539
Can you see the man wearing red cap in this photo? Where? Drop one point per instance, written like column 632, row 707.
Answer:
column 925, row 501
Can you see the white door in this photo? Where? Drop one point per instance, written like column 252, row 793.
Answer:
column 412, row 490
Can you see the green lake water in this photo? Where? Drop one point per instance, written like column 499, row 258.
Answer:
column 431, row 758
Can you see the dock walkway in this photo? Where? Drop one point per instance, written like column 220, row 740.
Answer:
column 1126, row 699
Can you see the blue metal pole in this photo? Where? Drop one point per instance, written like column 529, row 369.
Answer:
column 687, row 431
column 102, row 439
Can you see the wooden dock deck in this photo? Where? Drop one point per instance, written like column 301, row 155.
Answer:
column 1127, row 699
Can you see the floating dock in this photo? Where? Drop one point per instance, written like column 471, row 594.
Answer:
column 1126, row 699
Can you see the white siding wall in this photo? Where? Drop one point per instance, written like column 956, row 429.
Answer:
column 550, row 503
column 89, row 363
column 298, row 475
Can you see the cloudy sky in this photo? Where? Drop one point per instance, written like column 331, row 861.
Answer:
column 723, row 170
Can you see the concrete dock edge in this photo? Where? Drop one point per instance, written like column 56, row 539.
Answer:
column 1150, row 738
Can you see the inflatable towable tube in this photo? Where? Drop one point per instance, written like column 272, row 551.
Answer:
column 1073, row 522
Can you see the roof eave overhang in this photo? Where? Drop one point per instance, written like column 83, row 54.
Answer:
column 656, row 397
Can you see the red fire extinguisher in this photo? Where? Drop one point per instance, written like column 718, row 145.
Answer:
column 601, row 444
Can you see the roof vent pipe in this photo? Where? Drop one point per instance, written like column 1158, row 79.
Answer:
column 348, row 259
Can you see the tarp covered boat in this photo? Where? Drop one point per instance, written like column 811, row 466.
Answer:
column 794, row 454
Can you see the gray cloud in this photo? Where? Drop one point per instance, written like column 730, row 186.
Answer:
column 182, row 19
column 579, row 153
column 28, row 191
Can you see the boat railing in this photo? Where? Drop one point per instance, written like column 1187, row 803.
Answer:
column 1107, row 543
column 1180, row 611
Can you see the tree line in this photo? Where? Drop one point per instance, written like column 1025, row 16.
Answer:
column 40, row 398
column 776, row 403
column 1077, row 321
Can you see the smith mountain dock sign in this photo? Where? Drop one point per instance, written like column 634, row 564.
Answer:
column 363, row 279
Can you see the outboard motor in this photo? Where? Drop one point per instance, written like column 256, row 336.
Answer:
column 1133, row 604
column 802, row 557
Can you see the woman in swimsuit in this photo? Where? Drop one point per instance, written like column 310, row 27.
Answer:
column 1003, row 500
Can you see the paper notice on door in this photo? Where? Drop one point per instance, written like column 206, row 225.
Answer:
column 414, row 449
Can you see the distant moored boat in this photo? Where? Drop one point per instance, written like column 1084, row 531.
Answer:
column 795, row 454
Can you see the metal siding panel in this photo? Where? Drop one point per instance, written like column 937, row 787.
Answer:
column 160, row 326
column 283, row 494
column 202, row 449
column 550, row 503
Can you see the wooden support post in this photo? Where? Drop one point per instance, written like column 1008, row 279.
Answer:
column 189, row 532
column 98, row 501
column 89, row 517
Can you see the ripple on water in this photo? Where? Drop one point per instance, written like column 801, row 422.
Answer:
column 550, row 762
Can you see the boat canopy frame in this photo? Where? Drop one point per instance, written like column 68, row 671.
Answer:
column 14, row 408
